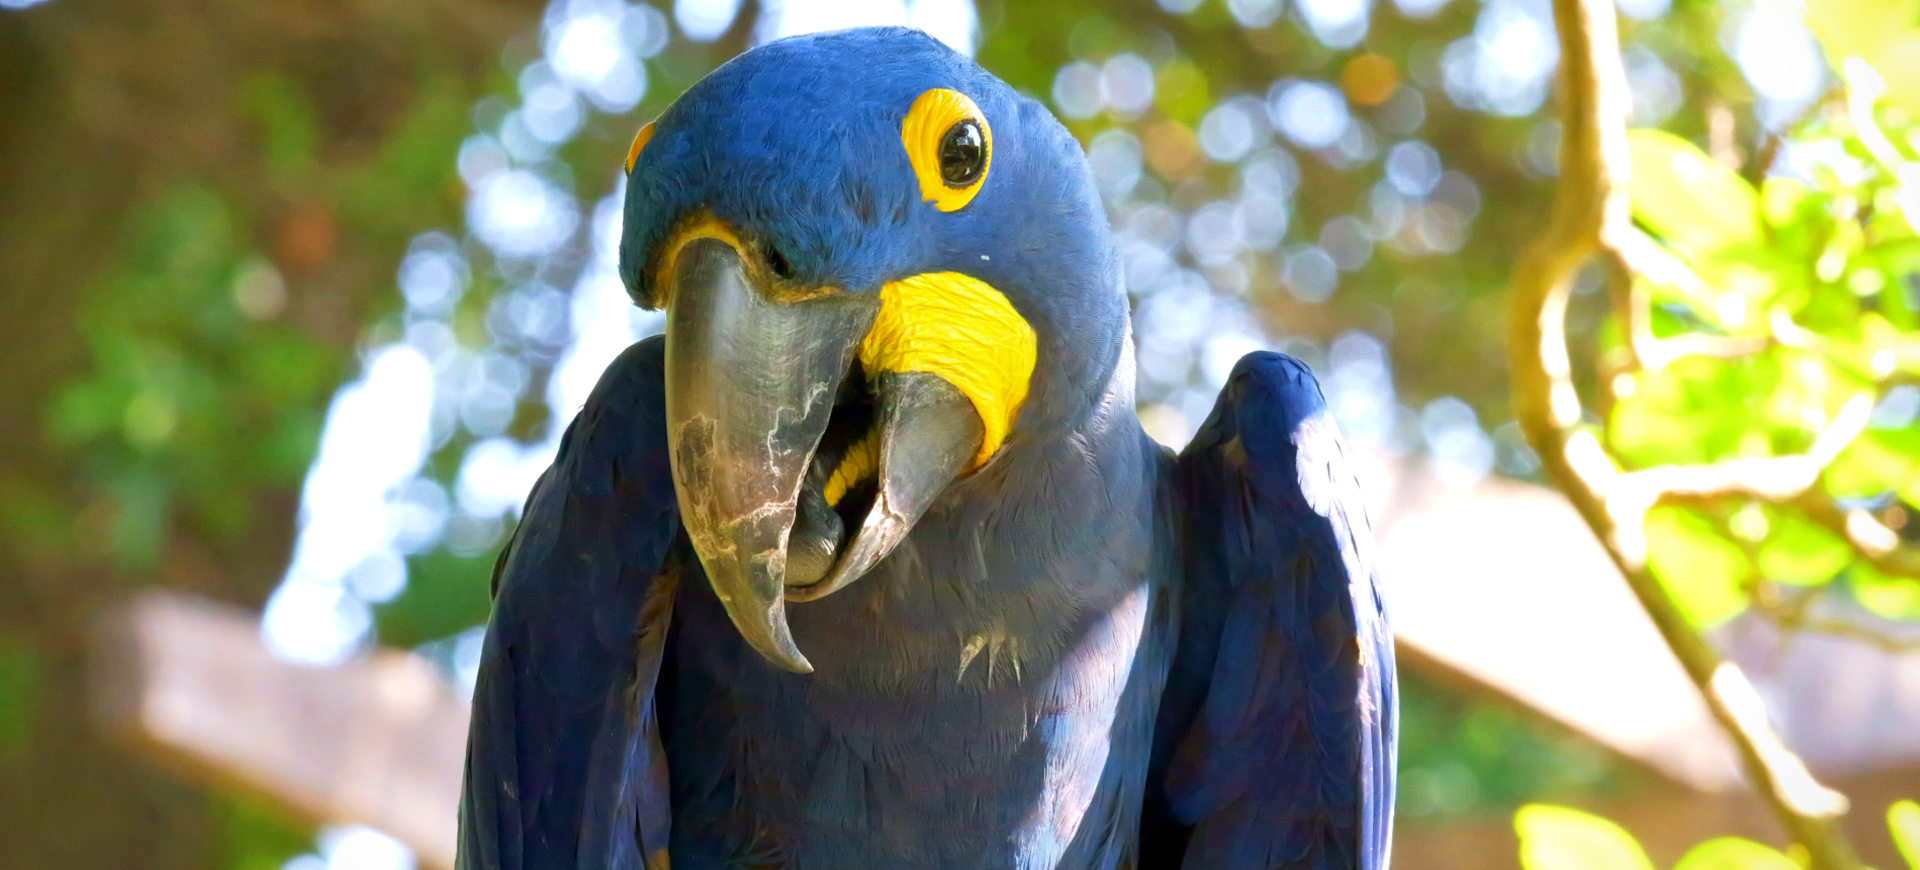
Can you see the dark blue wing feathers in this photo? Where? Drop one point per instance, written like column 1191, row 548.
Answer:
column 1276, row 736
column 564, row 765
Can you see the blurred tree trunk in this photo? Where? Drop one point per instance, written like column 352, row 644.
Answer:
column 103, row 105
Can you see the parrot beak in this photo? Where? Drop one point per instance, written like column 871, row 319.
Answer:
column 928, row 434
column 780, row 444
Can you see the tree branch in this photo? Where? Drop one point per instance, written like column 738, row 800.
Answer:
column 1589, row 217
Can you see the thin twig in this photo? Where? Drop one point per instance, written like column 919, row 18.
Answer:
column 1647, row 264
column 1795, row 614
column 1761, row 165
column 1872, row 540
column 1590, row 215
column 1770, row 478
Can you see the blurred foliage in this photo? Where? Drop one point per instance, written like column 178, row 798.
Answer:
column 182, row 361
column 1461, row 756
column 1560, row 838
column 203, row 388
column 257, row 836
column 1434, row 298
column 19, row 683
column 200, row 203
column 446, row 593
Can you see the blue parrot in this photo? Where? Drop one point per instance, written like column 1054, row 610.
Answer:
column 867, row 562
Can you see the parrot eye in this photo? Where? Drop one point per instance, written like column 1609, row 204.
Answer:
column 963, row 154
column 950, row 145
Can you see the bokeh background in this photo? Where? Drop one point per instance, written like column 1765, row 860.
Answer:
column 299, row 296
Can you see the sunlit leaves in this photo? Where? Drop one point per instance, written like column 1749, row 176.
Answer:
column 1884, row 347
column 1798, row 552
column 1701, row 569
column 1884, row 33
column 1558, row 838
column 1688, row 198
column 446, row 592
column 1734, row 853
column 1792, row 302
column 1903, row 821
column 1877, row 463
column 1369, row 79
column 1461, row 757
column 1703, row 409
column 1891, row 597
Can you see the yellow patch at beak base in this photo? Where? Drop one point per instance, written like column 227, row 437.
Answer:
column 966, row 332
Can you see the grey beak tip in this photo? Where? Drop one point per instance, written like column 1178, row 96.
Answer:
column 796, row 663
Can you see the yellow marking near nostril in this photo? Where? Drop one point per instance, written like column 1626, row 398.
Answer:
column 962, row 329
column 860, row 462
column 639, row 143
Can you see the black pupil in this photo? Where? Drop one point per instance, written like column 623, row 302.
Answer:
column 963, row 154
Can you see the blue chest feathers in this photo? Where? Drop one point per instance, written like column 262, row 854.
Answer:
column 950, row 723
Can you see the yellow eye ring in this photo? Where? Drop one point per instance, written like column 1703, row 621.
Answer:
column 950, row 146
column 639, row 142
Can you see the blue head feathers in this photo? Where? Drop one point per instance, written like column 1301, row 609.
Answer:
column 797, row 146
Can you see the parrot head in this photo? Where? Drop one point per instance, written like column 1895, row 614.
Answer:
column 884, row 271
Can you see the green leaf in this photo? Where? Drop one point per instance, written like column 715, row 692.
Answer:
column 1903, row 821
column 1891, row 597
column 1700, row 409
column 1881, row 340
column 1876, row 462
column 1559, row 838
column 1798, row 552
column 1785, row 201
column 1734, row 853
column 1688, row 198
column 1700, row 568
column 20, row 689
column 1696, row 410
column 1880, row 32
column 1860, row 28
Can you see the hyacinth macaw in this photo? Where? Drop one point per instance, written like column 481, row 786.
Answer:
column 867, row 562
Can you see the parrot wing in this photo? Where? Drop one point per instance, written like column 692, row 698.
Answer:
column 564, row 763
column 1276, row 737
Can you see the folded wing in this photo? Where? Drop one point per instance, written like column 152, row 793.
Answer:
column 564, row 765
column 1276, row 737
